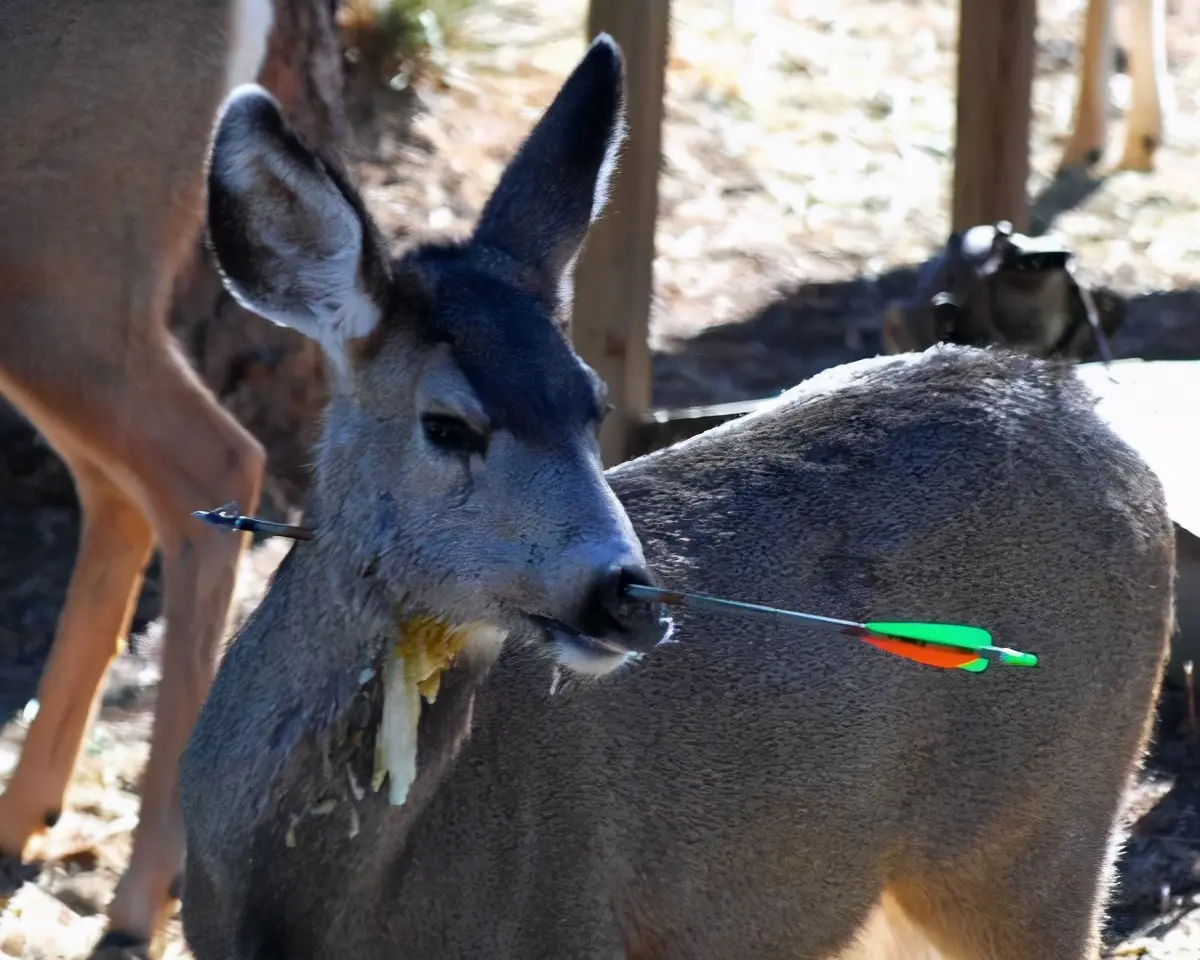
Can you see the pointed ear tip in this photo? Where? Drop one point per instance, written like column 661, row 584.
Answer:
column 605, row 39
column 604, row 49
column 248, row 104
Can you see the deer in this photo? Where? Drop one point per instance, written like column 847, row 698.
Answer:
column 107, row 110
column 1021, row 292
column 593, row 778
column 1150, row 83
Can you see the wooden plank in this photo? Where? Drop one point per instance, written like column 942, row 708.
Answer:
column 1149, row 404
column 661, row 428
column 614, row 277
column 995, row 84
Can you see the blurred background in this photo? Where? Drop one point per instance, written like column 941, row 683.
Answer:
column 805, row 174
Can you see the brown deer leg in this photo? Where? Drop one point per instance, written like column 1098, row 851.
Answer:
column 1086, row 146
column 143, row 418
column 114, row 545
column 1148, row 72
column 190, row 455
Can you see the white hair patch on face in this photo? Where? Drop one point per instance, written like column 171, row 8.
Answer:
column 587, row 662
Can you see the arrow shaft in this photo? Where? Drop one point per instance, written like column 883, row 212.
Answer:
column 969, row 644
column 676, row 598
column 230, row 519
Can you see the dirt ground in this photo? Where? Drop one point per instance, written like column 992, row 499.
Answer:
column 807, row 159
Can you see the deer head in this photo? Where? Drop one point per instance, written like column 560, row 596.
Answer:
column 459, row 461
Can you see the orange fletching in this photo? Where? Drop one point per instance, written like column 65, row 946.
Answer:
column 932, row 656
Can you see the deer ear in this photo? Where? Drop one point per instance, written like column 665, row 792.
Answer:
column 290, row 236
column 557, row 184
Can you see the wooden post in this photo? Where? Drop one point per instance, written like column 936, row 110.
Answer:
column 615, row 274
column 995, row 83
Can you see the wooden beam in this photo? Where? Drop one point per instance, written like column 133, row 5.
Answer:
column 661, row 428
column 995, row 84
column 614, row 277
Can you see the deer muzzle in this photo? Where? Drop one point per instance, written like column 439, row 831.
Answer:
column 607, row 614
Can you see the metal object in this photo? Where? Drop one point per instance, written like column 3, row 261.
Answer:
column 992, row 285
column 229, row 517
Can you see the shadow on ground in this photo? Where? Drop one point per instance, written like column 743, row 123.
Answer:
column 1159, row 869
column 811, row 326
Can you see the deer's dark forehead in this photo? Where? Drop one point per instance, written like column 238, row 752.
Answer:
column 521, row 367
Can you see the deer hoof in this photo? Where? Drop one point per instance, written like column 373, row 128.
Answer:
column 1081, row 155
column 116, row 945
column 1139, row 153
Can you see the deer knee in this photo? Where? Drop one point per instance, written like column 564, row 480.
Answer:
column 232, row 470
column 245, row 463
column 200, row 561
column 111, row 520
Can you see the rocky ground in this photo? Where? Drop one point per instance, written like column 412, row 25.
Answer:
column 806, row 170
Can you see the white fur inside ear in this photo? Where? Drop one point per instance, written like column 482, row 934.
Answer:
column 600, row 195
column 604, row 176
column 308, row 237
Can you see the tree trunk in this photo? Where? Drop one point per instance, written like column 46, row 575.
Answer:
column 270, row 377
column 614, row 279
column 995, row 84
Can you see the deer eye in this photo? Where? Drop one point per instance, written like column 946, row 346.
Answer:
column 452, row 434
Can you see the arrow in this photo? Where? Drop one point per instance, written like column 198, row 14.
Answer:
column 945, row 645
column 229, row 518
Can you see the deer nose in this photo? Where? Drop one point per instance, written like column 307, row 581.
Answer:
column 607, row 614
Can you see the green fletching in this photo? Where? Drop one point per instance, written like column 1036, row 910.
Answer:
column 957, row 637
column 939, row 634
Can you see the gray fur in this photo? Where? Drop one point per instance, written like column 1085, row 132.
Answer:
column 521, row 529
column 751, row 790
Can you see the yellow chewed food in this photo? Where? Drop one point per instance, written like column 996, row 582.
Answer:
column 424, row 648
column 428, row 646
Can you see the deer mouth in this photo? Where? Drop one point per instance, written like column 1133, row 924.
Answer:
column 580, row 652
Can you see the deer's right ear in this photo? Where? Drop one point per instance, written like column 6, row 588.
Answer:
column 558, row 182
column 289, row 234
